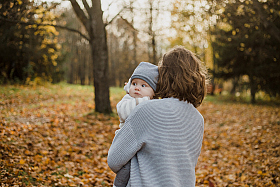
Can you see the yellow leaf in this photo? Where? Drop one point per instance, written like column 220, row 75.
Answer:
column 44, row 152
column 243, row 177
column 206, row 182
column 259, row 172
column 27, row 152
column 21, row 162
column 47, row 161
column 38, row 158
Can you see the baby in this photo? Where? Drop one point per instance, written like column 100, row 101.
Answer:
column 140, row 87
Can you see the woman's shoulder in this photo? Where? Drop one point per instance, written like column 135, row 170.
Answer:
column 164, row 104
column 152, row 102
column 147, row 106
column 170, row 105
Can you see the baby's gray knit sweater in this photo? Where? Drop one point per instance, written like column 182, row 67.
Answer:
column 163, row 139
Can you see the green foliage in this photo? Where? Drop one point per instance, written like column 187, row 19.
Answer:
column 247, row 43
column 261, row 99
column 28, row 50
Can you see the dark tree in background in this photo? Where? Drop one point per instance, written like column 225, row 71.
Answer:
column 28, row 51
column 247, row 42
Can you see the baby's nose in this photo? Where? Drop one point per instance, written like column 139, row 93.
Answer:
column 137, row 88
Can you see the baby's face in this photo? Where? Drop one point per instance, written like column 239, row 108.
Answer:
column 140, row 88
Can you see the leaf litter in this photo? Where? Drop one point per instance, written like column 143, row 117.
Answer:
column 54, row 139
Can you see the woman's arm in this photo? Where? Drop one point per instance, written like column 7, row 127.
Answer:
column 131, row 137
column 123, row 148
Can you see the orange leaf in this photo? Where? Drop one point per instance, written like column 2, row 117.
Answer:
column 243, row 177
column 22, row 162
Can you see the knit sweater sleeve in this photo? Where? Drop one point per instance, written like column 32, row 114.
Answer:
column 123, row 148
column 126, row 142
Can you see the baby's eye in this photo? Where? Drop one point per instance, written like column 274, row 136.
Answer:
column 134, row 84
column 144, row 85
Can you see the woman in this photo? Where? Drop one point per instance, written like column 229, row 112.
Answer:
column 162, row 137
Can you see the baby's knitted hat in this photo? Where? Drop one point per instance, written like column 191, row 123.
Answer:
column 147, row 72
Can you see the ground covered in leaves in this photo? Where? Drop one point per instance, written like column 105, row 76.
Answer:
column 50, row 136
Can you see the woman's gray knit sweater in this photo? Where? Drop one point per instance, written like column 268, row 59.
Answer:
column 163, row 139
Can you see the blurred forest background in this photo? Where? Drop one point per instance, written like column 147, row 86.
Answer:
column 56, row 55
column 45, row 41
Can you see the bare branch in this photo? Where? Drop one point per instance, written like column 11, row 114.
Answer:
column 109, row 8
column 53, row 6
column 114, row 17
column 112, row 3
column 129, row 24
column 86, row 6
column 80, row 14
column 44, row 24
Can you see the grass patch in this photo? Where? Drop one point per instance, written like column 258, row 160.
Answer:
column 64, row 93
column 52, row 98
column 223, row 99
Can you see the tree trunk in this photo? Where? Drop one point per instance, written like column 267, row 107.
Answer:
column 97, row 38
column 100, row 60
column 234, row 85
column 212, row 85
column 101, row 88
column 154, row 49
column 253, row 88
column 83, row 70
column 152, row 35
column 134, row 33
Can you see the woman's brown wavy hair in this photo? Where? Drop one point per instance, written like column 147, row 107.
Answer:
column 181, row 75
